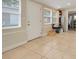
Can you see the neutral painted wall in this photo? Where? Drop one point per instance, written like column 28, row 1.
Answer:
column 13, row 37
column 65, row 23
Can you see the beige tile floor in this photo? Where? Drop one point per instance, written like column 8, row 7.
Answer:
column 59, row 46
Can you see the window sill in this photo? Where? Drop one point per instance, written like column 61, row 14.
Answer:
column 13, row 27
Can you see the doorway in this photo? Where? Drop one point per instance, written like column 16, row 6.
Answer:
column 72, row 21
column 34, row 20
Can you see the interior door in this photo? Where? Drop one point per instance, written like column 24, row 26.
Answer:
column 34, row 20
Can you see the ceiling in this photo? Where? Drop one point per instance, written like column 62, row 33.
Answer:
column 59, row 4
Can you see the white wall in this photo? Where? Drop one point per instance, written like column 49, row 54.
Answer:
column 65, row 23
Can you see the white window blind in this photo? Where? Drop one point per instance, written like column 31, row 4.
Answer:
column 47, row 16
column 11, row 14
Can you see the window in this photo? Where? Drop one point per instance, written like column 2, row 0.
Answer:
column 11, row 14
column 47, row 16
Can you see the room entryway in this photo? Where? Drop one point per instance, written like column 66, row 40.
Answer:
column 72, row 21
column 34, row 20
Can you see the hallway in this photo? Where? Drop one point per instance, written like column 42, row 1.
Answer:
column 59, row 46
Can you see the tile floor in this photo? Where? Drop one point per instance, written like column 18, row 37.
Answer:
column 59, row 46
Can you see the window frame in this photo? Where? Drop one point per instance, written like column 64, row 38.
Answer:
column 19, row 22
column 51, row 12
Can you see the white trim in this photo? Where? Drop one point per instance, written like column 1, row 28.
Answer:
column 11, row 27
column 19, row 22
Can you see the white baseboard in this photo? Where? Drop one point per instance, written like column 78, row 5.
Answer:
column 13, row 46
